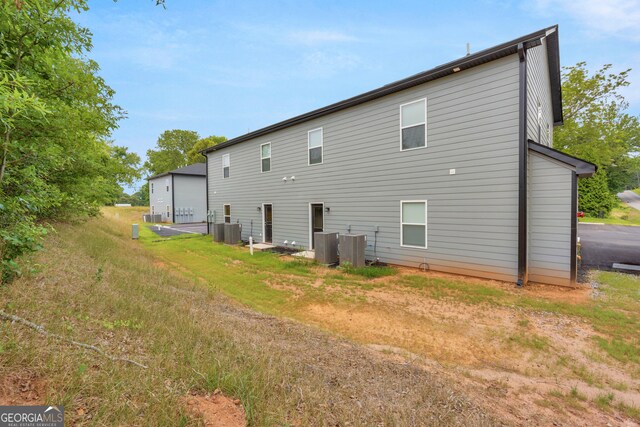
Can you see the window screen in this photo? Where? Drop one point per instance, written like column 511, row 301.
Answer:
column 226, row 166
column 414, row 224
column 265, row 157
column 413, row 124
column 315, row 146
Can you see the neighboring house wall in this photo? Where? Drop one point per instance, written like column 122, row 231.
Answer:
column 160, row 198
column 190, row 193
column 472, row 215
column 539, row 106
column 550, row 216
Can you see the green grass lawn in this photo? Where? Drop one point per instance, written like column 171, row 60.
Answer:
column 620, row 215
column 267, row 282
column 154, row 300
column 92, row 283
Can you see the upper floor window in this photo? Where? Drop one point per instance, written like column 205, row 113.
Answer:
column 315, row 146
column 265, row 157
column 413, row 124
column 227, row 214
column 166, row 182
column 152, row 188
column 414, row 223
column 226, row 165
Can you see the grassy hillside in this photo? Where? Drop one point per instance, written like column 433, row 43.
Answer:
column 94, row 284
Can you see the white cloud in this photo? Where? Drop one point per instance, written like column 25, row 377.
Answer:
column 620, row 18
column 326, row 64
column 147, row 44
column 313, row 37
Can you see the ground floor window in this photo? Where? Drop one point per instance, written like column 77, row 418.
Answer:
column 413, row 223
column 168, row 211
column 227, row 214
column 153, row 210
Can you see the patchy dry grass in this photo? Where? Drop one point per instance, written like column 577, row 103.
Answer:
column 482, row 331
column 95, row 285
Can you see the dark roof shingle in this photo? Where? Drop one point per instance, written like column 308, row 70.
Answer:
column 196, row 169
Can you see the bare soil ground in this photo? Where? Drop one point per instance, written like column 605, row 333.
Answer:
column 502, row 356
column 216, row 410
column 22, row 387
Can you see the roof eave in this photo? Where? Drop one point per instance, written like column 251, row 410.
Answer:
column 584, row 169
column 555, row 76
column 464, row 63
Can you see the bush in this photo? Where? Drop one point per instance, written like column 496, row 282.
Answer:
column 594, row 197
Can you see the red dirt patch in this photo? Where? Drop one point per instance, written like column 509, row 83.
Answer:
column 216, row 410
column 22, row 388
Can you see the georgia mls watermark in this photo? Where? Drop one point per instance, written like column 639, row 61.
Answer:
column 31, row 416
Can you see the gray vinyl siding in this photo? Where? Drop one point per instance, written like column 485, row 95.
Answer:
column 549, row 220
column 160, row 197
column 472, row 127
column 539, row 90
column 190, row 193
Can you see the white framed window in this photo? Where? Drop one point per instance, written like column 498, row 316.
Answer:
column 166, row 182
column 227, row 214
column 315, row 144
column 413, row 223
column 153, row 210
column 226, row 165
column 168, row 211
column 265, row 157
column 152, row 188
column 413, row 125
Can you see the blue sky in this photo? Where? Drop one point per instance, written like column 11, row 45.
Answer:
column 228, row 67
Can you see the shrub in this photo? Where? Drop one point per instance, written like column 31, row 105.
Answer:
column 594, row 197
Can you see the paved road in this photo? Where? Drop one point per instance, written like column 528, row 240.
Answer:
column 602, row 245
column 631, row 198
column 177, row 229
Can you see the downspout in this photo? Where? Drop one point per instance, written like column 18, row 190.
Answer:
column 523, row 271
column 574, row 228
column 206, row 170
column 173, row 202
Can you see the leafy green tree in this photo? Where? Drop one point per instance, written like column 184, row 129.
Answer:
column 194, row 155
column 144, row 194
column 135, row 199
column 596, row 126
column 595, row 199
column 171, row 151
column 56, row 117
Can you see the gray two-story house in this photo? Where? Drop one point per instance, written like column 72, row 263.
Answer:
column 179, row 195
column 451, row 169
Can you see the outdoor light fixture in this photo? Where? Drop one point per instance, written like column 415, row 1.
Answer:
column 327, row 209
column 259, row 208
column 293, row 178
column 284, row 179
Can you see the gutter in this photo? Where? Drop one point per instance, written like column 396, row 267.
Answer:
column 206, row 162
column 482, row 57
column 574, row 228
column 173, row 201
column 523, row 270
